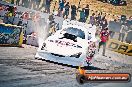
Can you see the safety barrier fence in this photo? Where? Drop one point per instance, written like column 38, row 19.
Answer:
column 120, row 47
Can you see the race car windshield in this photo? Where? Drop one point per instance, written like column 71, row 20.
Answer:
column 75, row 31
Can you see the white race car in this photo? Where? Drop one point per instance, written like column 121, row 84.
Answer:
column 73, row 45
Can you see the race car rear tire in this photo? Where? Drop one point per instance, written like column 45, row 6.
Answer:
column 80, row 79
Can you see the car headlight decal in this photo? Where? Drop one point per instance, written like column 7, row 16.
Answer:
column 44, row 45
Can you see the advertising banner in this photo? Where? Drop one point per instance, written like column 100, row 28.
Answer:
column 10, row 35
column 121, row 47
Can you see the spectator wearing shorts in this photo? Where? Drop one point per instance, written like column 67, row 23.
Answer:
column 104, row 36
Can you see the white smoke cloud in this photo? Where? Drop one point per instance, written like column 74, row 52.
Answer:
column 41, row 29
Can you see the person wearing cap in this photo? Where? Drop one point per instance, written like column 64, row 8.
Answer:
column 104, row 36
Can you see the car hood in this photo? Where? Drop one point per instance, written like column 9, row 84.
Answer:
column 65, row 46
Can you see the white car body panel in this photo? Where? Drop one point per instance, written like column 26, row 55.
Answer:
column 81, row 46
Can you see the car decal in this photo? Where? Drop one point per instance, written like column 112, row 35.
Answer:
column 63, row 43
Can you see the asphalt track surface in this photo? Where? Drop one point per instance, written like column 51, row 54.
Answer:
column 19, row 68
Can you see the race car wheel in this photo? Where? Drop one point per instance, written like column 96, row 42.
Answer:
column 44, row 45
column 80, row 79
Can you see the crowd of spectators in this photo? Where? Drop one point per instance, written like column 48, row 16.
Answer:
column 97, row 18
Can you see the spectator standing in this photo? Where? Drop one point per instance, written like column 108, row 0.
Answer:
column 104, row 23
column 104, row 36
column 23, row 3
column 129, row 36
column 73, row 12
column 43, row 5
column 37, row 4
column 82, row 15
column 87, row 11
column 92, row 19
column 33, row 3
column 61, row 6
column 112, row 33
column 19, row 22
column 51, row 24
column 26, row 3
column 47, row 7
column 123, row 31
column 12, row 1
column 123, row 19
column 17, row 2
column 98, row 19
column 66, row 12
column 51, row 20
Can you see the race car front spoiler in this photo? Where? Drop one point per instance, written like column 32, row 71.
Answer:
column 63, row 60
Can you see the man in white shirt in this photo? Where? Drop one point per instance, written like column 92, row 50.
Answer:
column 123, row 32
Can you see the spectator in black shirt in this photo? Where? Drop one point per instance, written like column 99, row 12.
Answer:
column 98, row 19
column 73, row 12
column 66, row 13
column 61, row 7
column 87, row 11
column 47, row 7
column 82, row 15
column 104, row 23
